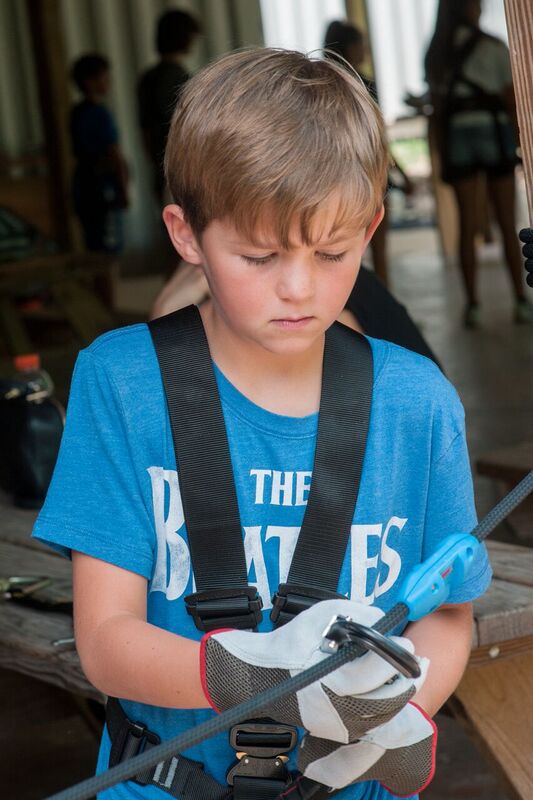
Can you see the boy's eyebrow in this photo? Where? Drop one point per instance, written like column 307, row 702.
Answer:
column 273, row 245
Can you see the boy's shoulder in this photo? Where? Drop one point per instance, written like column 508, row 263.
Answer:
column 122, row 352
column 410, row 379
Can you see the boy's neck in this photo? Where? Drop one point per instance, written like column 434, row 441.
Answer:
column 287, row 385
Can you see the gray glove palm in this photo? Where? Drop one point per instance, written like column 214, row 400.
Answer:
column 399, row 754
column 341, row 707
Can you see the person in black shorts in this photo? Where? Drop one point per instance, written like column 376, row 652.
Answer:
column 469, row 75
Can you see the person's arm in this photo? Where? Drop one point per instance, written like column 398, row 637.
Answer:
column 510, row 103
column 187, row 286
column 407, row 186
column 445, row 637
column 120, row 170
column 149, row 142
column 121, row 653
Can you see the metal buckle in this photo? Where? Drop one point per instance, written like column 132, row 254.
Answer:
column 225, row 608
column 291, row 600
column 260, row 747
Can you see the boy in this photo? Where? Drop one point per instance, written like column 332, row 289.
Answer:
column 279, row 195
column 100, row 184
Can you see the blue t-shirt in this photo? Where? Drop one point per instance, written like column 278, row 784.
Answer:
column 115, row 496
column 92, row 130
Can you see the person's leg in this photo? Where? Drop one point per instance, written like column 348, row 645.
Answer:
column 502, row 196
column 465, row 191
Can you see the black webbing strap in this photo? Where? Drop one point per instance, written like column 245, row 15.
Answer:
column 257, row 789
column 345, row 401
column 201, row 445
column 202, row 451
column 180, row 777
column 223, row 598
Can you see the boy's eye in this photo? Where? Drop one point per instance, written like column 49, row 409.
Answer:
column 259, row 259
column 332, row 256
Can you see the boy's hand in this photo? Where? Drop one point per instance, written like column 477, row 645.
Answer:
column 342, row 706
column 399, row 754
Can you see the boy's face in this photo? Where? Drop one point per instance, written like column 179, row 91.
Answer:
column 100, row 84
column 282, row 300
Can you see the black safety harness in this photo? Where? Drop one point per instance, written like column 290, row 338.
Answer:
column 425, row 588
column 223, row 598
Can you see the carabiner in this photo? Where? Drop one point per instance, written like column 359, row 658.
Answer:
column 342, row 630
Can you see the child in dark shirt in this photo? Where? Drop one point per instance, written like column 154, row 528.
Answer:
column 100, row 185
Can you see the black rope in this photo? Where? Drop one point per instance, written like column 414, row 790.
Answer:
column 504, row 508
column 249, row 709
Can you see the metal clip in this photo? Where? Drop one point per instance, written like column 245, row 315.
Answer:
column 342, row 630
column 19, row 586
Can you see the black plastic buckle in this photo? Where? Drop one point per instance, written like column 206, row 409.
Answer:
column 290, row 600
column 225, row 608
column 137, row 739
column 260, row 750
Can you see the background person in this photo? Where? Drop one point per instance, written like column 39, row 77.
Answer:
column 159, row 87
column 348, row 42
column 100, row 183
column 469, row 75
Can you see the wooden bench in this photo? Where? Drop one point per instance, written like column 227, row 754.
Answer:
column 494, row 699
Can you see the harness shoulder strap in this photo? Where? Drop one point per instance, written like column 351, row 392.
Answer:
column 212, row 519
column 345, row 404
column 224, row 598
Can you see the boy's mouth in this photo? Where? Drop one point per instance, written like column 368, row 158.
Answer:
column 292, row 322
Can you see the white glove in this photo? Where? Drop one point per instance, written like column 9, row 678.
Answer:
column 399, row 754
column 342, row 706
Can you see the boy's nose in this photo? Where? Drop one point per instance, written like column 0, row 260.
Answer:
column 296, row 282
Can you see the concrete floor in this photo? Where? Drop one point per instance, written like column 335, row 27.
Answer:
column 44, row 742
column 491, row 367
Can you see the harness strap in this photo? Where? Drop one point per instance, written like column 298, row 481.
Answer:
column 180, row 777
column 345, row 400
column 223, row 597
column 257, row 789
column 201, row 447
column 186, row 779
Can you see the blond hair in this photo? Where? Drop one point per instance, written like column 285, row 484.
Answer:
column 265, row 137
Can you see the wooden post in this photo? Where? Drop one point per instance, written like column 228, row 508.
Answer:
column 520, row 26
column 52, row 78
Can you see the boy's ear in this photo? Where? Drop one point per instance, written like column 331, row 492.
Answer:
column 181, row 235
column 374, row 224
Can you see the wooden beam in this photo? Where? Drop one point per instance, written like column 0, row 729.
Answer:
column 52, row 78
column 520, row 26
column 356, row 13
